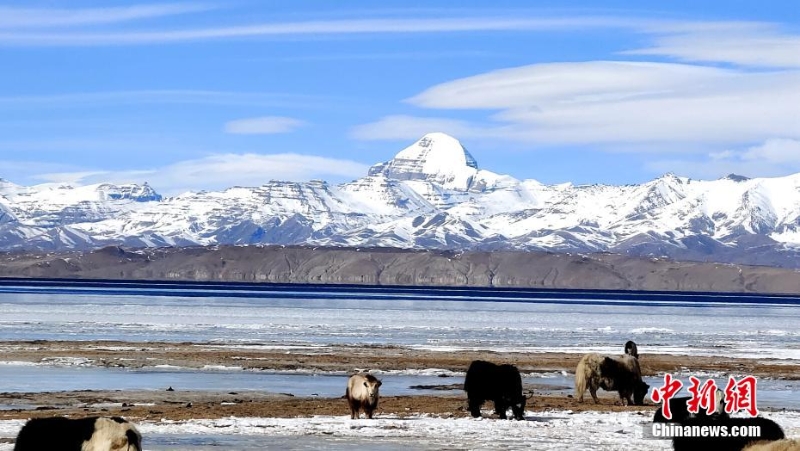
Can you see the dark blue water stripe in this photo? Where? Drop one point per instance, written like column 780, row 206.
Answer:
column 327, row 291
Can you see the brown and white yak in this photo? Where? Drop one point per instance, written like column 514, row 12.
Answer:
column 83, row 434
column 621, row 374
column 362, row 393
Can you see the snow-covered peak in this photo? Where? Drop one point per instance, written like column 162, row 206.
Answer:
column 735, row 178
column 138, row 193
column 437, row 158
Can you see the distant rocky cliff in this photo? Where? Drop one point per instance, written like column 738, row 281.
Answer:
column 401, row 267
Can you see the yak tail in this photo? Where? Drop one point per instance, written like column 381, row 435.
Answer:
column 347, row 392
column 580, row 379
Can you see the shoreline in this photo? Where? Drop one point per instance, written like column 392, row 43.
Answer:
column 156, row 405
column 347, row 359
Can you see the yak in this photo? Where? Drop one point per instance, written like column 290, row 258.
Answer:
column 779, row 445
column 362, row 393
column 83, row 434
column 769, row 431
column 501, row 384
column 631, row 349
column 679, row 408
column 621, row 374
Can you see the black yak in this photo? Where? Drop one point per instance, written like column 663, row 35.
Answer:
column 769, row 431
column 84, row 434
column 621, row 374
column 679, row 408
column 500, row 384
column 631, row 349
column 362, row 393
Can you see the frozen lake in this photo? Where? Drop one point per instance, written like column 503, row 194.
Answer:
column 440, row 323
column 753, row 330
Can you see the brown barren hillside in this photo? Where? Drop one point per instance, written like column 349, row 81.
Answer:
column 380, row 266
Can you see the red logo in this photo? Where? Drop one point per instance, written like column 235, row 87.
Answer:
column 705, row 396
column 741, row 395
column 665, row 393
column 738, row 395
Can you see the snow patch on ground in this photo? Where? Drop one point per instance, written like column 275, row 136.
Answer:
column 551, row 430
column 66, row 361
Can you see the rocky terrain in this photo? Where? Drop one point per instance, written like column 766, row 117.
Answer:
column 379, row 266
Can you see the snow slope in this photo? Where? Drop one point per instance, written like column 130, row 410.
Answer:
column 432, row 194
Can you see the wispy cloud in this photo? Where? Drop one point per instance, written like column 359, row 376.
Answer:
column 752, row 44
column 611, row 104
column 215, row 172
column 18, row 18
column 403, row 127
column 414, row 25
column 165, row 96
column 738, row 42
column 742, row 42
column 774, row 157
column 265, row 125
column 394, row 56
column 14, row 170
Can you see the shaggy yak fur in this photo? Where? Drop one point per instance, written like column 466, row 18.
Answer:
column 631, row 349
column 780, row 445
column 621, row 374
column 362, row 393
column 84, row 434
column 769, row 431
column 500, row 384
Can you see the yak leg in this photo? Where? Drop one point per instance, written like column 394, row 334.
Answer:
column 500, row 408
column 626, row 396
column 475, row 407
column 354, row 408
column 368, row 410
column 593, row 392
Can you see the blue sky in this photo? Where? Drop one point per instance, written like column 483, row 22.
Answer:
column 205, row 95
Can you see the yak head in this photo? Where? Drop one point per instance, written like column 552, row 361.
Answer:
column 518, row 407
column 371, row 385
column 639, row 393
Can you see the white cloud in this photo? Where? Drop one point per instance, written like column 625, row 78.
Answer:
column 318, row 28
column 775, row 151
column 15, row 169
column 774, row 157
column 166, row 96
column 393, row 56
column 15, row 17
column 220, row 171
column 402, row 127
column 74, row 178
column 744, row 43
column 615, row 104
column 265, row 125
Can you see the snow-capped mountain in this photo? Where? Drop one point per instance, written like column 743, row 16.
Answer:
column 432, row 194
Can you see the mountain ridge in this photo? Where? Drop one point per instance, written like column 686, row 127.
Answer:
column 400, row 267
column 432, row 195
